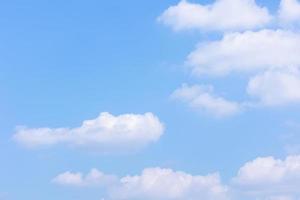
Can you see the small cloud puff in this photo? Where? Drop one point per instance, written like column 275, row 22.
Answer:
column 203, row 99
column 93, row 178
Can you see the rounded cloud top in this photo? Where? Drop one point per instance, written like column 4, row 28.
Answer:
column 107, row 133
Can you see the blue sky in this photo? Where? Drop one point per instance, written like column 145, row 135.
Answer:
column 66, row 62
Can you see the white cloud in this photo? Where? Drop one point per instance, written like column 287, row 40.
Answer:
column 270, row 178
column 93, row 178
column 221, row 15
column 264, row 178
column 289, row 12
column 247, row 52
column 202, row 98
column 272, row 55
column 106, row 133
column 276, row 87
column 164, row 184
column 152, row 184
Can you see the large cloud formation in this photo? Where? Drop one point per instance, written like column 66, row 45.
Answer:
column 264, row 178
column 263, row 47
column 106, row 133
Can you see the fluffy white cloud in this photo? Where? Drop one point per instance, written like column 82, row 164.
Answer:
column 264, row 178
column 221, row 15
column 276, row 87
column 106, row 133
column 270, row 178
column 152, row 184
column 165, row 184
column 272, row 55
column 289, row 11
column 93, row 178
column 247, row 52
column 202, row 98
column 267, row 55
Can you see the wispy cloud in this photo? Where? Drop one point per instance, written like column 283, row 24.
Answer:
column 202, row 99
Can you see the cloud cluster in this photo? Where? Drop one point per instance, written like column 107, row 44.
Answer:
column 271, row 60
column 160, row 184
column 271, row 55
column 264, row 178
column 106, row 133
column 263, row 47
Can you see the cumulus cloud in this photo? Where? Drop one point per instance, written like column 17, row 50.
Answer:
column 106, row 133
column 247, row 52
column 271, row 55
column 164, row 184
column 221, row 15
column 93, row 178
column 203, row 99
column 276, row 87
column 270, row 178
column 289, row 12
column 268, row 57
column 264, row 178
column 155, row 184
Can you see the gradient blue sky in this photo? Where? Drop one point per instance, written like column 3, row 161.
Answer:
column 62, row 62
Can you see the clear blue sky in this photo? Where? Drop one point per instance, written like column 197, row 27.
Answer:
column 62, row 62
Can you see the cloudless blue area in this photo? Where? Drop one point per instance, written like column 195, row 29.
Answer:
column 62, row 62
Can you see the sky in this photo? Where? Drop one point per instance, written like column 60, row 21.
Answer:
column 150, row 100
